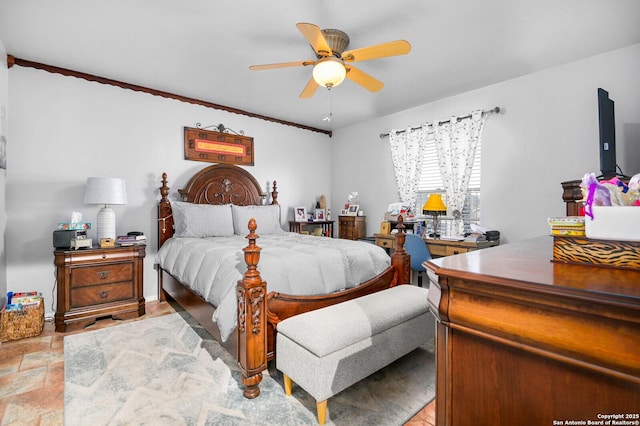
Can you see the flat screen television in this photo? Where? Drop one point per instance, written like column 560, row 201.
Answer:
column 607, row 125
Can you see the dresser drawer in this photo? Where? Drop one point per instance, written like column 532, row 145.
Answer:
column 347, row 234
column 99, row 294
column 101, row 274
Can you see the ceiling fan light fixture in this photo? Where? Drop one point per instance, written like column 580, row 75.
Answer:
column 329, row 72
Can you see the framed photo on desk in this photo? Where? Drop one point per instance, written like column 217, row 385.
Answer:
column 300, row 214
column 353, row 210
column 321, row 214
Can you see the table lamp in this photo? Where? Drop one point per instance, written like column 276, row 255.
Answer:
column 435, row 207
column 105, row 190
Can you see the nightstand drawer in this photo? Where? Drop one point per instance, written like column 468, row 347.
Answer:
column 95, row 256
column 101, row 274
column 99, row 294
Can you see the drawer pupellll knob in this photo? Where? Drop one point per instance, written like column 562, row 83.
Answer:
column 103, row 275
column 104, row 294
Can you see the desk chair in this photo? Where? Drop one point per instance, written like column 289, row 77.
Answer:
column 419, row 252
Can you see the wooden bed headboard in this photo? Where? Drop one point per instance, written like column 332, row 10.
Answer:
column 216, row 184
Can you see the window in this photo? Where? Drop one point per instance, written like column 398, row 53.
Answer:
column 431, row 182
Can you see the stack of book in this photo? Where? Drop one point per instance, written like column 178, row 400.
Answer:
column 567, row 226
column 132, row 238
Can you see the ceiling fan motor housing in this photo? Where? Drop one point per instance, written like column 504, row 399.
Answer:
column 337, row 41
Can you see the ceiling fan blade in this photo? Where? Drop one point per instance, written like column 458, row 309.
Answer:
column 392, row 48
column 309, row 89
column 314, row 36
column 280, row 65
column 363, row 79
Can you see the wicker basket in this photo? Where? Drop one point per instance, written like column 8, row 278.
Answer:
column 21, row 323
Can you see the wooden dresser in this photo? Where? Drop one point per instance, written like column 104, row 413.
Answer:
column 522, row 340
column 95, row 283
column 351, row 227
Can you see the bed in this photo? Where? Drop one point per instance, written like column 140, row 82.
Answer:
column 242, row 292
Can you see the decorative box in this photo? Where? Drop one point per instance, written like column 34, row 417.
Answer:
column 72, row 226
column 619, row 223
column 579, row 250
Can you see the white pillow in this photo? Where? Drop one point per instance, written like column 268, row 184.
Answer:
column 267, row 218
column 201, row 220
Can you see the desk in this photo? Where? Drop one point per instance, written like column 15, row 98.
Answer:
column 437, row 248
column 326, row 225
column 522, row 340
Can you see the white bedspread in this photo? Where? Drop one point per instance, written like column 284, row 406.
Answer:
column 290, row 263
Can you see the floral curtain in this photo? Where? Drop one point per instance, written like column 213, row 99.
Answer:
column 456, row 143
column 406, row 154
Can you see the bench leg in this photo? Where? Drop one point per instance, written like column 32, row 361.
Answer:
column 322, row 411
column 288, row 384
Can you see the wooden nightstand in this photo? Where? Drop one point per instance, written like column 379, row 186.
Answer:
column 351, row 227
column 98, row 282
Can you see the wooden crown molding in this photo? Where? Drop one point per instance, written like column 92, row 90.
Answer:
column 12, row 60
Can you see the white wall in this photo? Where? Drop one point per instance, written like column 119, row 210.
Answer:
column 546, row 133
column 65, row 129
column 4, row 108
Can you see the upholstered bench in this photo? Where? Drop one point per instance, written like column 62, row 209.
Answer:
column 327, row 350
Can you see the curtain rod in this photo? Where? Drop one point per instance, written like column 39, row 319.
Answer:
column 490, row 111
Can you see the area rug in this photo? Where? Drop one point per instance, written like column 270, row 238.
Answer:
column 168, row 370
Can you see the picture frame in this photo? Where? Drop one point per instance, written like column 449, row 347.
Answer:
column 343, row 212
column 217, row 147
column 300, row 214
column 321, row 214
column 353, row 210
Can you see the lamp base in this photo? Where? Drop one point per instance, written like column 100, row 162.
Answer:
column 106, row 223
column 435, row 234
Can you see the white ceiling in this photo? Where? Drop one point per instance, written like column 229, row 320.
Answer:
column 203, row 48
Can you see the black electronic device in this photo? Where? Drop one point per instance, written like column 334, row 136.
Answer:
column 492, row 235
column 607, row 127
column 62, row 238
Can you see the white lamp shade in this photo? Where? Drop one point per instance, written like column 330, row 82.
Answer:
column 329, row 72
column 105, row 190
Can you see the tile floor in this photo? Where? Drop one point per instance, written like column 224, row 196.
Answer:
column 32, row 376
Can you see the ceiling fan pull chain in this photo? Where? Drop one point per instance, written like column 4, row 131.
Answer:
column 330, row 116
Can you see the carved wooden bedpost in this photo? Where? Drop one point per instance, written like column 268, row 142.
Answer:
column 400, row 259
column 252, row 320
column 165, row 226
column 274, row 193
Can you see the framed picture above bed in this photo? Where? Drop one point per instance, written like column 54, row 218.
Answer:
column 217, row 147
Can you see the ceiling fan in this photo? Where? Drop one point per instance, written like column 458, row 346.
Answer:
column 333, row 63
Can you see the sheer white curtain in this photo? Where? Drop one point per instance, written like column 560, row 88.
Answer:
column 406, row 154
column 456, row 143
